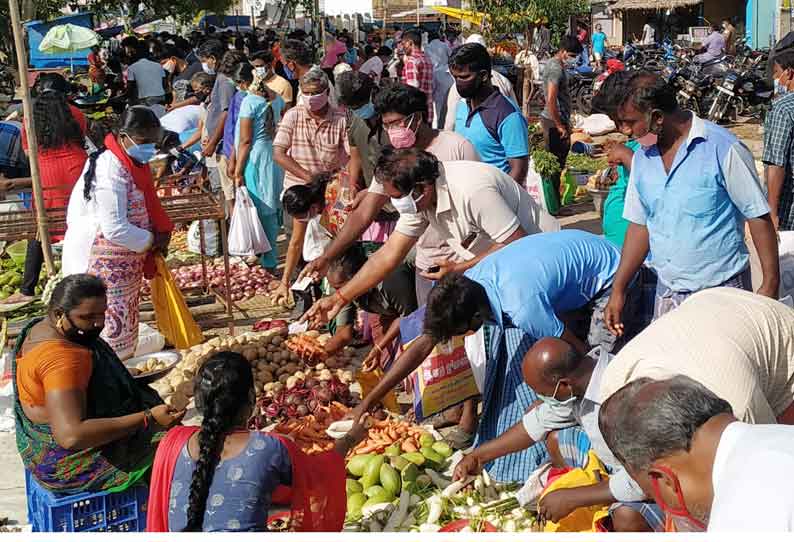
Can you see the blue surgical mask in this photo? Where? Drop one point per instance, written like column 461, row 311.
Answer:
column 365, row 112
column 288, row 72
column 780, row 89
column 555, row 403
column 141, row 153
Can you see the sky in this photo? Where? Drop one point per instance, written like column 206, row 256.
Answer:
column 340, row 7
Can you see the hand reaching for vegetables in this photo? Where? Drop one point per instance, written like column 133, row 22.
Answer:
column 356, row 434
column 281, row 293
column 556, row 505
column 167, row 416
column 323, row 311
column 372, row 361
column 470, row 465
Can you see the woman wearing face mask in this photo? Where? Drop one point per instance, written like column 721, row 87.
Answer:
column 242, row 76
column 82, row 422
column 201, row 86
column 115, row 223
column 254, row 165
column 221, row 476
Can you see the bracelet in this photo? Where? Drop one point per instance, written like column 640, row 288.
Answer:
column 146, row 415
column 342, row 298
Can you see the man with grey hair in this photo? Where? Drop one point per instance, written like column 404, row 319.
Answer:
column 298, row 59
column 706, row 469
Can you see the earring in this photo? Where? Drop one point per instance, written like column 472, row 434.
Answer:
column 59, row 323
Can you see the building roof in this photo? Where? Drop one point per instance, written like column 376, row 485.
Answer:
column 653, row 4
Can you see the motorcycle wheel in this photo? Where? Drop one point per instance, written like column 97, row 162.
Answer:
column 717, row 110
column 584, row 101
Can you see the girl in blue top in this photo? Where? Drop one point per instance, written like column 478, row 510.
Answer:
column 255, row 168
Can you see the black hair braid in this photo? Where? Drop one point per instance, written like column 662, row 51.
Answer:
column 90, row 173
column 214, row 427
column 223, row 386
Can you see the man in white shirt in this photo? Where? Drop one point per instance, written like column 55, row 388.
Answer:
column 568, row 384
column 373, row 66
column 146, row 80
column 182, row 119
column 736, row 343
column 707, row 471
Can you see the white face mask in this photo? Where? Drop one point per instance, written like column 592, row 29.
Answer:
column 262, row 71
column 207, row 69
column 406, row 205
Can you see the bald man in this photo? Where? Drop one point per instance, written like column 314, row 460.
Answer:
column 568, row 384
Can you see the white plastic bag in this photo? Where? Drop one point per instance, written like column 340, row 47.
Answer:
column 246, row 236
column 475, row 351
column 315, row 240
column 534, row 186
column 598, row 124
column 149, row 340
column 211, row 238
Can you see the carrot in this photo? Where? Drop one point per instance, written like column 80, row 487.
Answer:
column 367, row 449
column 408, row 446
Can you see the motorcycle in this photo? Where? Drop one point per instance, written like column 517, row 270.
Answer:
column 580, row 85
column 741, row 94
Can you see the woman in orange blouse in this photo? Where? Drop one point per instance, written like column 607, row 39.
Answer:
column 82, row 422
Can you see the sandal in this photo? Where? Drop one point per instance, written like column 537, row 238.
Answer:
column 459, row 439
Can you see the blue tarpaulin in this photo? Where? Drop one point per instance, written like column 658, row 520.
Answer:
column 38, row 29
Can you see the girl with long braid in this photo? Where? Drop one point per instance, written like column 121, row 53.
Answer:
column 221, row 476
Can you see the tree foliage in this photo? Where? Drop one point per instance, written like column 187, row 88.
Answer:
column 511, row 16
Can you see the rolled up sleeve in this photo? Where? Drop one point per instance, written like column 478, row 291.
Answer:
column 633, row 209
column 541, row 420
column 624, row 488
column 412, row 225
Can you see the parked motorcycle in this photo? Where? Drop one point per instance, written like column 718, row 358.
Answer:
column 742, row 94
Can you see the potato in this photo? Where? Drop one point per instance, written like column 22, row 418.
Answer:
column 251, row 354
column 283, row 378
column 214, row 342
column 277, row 387
column 300, row 374
column 188, row 374
column 294, row 356
column 185, row 387
column 261, row 352
column 277, row 340
column 266, row 376
column 266, row 339
column 292, row 382
column 291, row 367
column 319, row 367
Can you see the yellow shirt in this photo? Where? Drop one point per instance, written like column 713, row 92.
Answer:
column 282, row 87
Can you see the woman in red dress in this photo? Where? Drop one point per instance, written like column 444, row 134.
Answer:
column 61, row 129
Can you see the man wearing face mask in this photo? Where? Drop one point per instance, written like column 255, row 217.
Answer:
column 473, row 207
column 417, row 68
column 691, row 189
column 544, row 285
column 706, row 470
column 556, row 116
column 493, row 123
column 567, row 384
column 311, row 137
column 263, row 66
column 298, row 59
column 778, row 154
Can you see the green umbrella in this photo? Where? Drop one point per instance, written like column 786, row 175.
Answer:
column 68, row 38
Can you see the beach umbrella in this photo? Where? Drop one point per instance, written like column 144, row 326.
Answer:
column 68, row 38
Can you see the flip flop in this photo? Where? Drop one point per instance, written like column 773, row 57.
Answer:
column 459, row 439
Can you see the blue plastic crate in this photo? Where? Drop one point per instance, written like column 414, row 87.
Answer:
column 86, row 512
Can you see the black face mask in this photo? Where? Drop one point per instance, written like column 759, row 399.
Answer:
column 470, row 89
column 81, row 336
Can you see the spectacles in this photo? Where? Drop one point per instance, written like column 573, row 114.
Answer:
column 405, row 121
column 679, row 509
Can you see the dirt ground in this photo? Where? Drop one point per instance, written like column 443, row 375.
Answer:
column 580, row 215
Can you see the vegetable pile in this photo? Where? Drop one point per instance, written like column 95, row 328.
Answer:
column 308, row 432
column 300, row 397
column 12, row 270
column 402, row 493
column 276, row 368
column 582, row 162
column 394, row 437
column 246, row 282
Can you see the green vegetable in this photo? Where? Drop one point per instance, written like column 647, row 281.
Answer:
column 371, row 491
column 378, row 499
column 546, row 164
column 399, row 463
column 355, row 503
column 358, row 463
column 426, row 440
column 432, row 455
column 415, row 457
column 372, row 472
column 582, row 162
column 393, row 450
column 443, row 449
column 389, row 479
column 352, row 486
column 409, row 473
column 423, row 481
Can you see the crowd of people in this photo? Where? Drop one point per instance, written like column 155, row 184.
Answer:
column 397, row 171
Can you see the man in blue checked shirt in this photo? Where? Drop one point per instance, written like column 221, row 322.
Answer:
column 493, row 123
column 693, row 185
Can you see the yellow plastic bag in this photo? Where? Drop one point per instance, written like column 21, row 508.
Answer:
column 173, row 317
column 585, row 519
column 368, row 380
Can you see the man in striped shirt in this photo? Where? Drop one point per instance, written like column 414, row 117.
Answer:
column 417, row 68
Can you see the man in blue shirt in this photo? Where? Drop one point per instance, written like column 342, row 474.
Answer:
column 542, row 285
column 493, row 124
column 691, row 189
